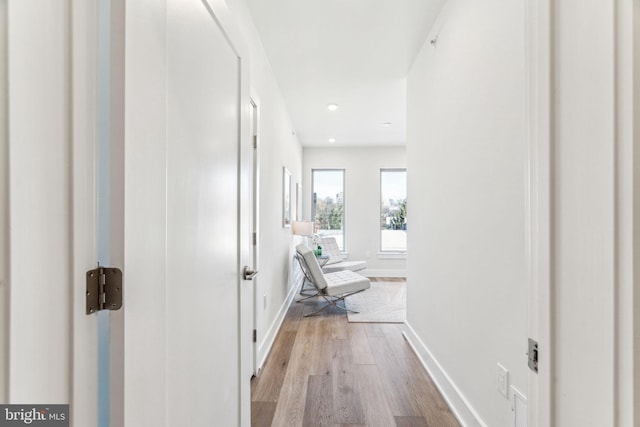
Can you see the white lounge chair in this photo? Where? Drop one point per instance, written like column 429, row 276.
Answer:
column 336, row 258
column 333, row 287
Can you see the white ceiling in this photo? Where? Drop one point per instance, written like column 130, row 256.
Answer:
column 355, row 53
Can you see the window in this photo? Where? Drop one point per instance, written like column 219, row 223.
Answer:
column 393, row 210
column 327, row 208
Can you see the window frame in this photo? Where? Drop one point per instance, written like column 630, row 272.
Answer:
column 344, row 200
column 388, row 252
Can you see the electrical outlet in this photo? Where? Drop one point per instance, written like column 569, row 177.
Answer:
column 264, row 303
column 502, row 380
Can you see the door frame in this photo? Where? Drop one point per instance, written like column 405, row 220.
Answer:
column 65, row 136
column 246, row 311
column 538, row 57
column 4, row 207
column 540, row 64
column 255, row 216
column 636, row 236
column 627, row 300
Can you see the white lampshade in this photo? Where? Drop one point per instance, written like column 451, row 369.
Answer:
column 302, row 228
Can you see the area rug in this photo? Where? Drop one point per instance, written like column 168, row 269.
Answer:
column 384, row 302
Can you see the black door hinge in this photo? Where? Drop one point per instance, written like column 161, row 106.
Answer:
column 104, row 289
column 255, row 335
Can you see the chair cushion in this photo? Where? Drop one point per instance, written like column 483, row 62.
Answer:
column 345, row 265
column 312, row 263
column 345, row 281
column 330, row 247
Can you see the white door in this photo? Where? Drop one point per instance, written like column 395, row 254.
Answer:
column 50, row 137
column 183, row 243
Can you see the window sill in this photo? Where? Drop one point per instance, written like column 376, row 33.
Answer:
column 392, row 255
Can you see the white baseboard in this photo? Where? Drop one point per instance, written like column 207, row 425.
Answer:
column 459, row 405
column 270, row 337
column 383, row 273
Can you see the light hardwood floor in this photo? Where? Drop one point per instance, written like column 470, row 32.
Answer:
column 325, row 371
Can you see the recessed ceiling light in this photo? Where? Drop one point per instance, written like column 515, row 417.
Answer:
column 332, row 140
column 386, row 124
column 332, row 107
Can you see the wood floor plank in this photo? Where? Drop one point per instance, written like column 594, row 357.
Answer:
column 410, row 390
column 269, row 382
column 307, row 328
column 374, row 330
column 347, row 405
column 363, row 376
column 320, row 363
column 400, row 346
column 395, row 375
column 262, row 413
column 291, row 402
column 339, row 327
column 359, row 341
column 293, row 317
column 432, row 405
column 411, row 422
column 370, row 389
column 319, row 409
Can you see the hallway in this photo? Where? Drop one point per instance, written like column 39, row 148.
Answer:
column 178, row 140
column 324, row 370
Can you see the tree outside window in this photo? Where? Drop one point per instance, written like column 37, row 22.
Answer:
column 328, row 203
column 393, row 210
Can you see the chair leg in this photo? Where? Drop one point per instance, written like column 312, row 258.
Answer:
column 309, row 292
column 321, row 310
column 334, row 302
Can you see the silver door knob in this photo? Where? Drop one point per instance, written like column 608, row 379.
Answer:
column 248, row 274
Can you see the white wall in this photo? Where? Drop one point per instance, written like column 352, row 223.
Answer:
column 278, row 147
column 362, row 199
column 466, row 148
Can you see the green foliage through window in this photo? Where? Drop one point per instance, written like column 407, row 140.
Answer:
column 393, row 210
column 329, row 214
column 327, row 208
